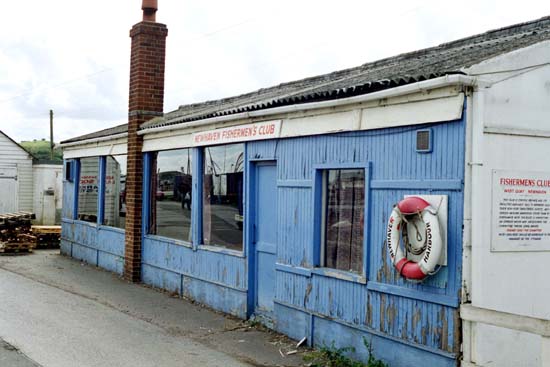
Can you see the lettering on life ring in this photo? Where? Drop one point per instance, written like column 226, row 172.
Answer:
column 410, row 212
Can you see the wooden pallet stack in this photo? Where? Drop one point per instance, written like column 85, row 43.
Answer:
column 46, row 237
column 15, row 233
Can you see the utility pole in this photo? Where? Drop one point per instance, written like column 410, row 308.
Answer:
column 51, row 135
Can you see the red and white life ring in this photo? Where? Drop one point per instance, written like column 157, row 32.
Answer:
column 407, row 210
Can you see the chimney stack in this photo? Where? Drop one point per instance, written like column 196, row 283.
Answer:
column 149, row 8
column 146, row 101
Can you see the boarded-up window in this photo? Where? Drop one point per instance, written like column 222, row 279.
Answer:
column 344, row 191
column 171, row 184
column 222, row 190
column 88, row 188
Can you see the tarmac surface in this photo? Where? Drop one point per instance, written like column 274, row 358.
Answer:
column 58, row 312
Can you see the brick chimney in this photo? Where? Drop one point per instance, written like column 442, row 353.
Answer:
column 146, row 102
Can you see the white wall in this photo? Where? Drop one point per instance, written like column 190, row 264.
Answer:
column 46, row 177
column 511, row 131
column 12, row 154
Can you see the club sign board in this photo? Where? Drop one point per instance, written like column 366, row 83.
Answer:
column 235, row 134
column 520, row 211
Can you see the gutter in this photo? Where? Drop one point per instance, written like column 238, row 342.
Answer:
column 440, row 82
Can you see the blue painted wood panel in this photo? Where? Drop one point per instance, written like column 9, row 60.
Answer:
column 97, row 245
column 419, row 319
column 424, row 315
column 265, row 235
column 202, row 264
column 69, row 192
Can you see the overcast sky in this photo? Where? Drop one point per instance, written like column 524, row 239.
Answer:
column 73, row 56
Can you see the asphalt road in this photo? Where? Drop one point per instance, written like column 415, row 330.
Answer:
column 60, row 329
column 10, row 356
column 59, row 312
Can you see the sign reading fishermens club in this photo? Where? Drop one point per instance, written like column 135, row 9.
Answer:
column 521, row 211
column 234, row 134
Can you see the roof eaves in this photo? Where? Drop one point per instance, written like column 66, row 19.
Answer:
column 19, row 145
column 112, row 131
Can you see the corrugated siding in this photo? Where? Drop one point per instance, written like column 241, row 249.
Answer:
column 206, row 265
column 207, row 277
column 295, row 211
column 422, row 314
column 11, row 154
column 97, row 245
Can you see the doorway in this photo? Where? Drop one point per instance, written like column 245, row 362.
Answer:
column 264, row 238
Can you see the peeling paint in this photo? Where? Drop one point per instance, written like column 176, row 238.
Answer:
column 404, row 327
column 330, row 300
column 308, row 292
column 416, row 318
column 392, row 314
column 457, row 335
column 424, row 334
column 444, row 329
column 382, row 312
column 369, row 311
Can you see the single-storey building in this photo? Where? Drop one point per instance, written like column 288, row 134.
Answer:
column 15, row 176
column 27, row 184
column 280, row 204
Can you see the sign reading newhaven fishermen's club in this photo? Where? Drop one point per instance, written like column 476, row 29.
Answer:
column 521, row 211
column 235, row 134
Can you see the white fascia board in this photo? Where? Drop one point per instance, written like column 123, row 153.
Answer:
column 330, row 121
column 448, row 80
column 98, row 148
column 423, row 102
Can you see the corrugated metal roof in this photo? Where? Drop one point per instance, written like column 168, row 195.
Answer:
column 99, row 134
column 448, row 58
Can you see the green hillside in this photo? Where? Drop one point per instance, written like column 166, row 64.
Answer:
column 41, row 150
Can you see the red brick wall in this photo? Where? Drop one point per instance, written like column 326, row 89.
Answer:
column 146, row 102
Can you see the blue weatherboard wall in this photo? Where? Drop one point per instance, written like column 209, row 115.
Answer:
column 405, row 322
column 212, row 278
column 98, row 245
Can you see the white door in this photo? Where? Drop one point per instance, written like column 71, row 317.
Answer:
column 8, row 190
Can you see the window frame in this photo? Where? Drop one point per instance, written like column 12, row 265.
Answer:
column 319, row 223
column 199, row 200
column 100, row 178
column 69, row 170
column 103, row 185
column 149, row 159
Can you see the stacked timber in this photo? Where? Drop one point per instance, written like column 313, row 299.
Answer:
column 46, row 236
column 15, row 233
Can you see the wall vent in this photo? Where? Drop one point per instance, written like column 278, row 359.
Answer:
column 424, row 141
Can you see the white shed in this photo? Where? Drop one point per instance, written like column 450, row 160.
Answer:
column 48, row 189
column 16, row 176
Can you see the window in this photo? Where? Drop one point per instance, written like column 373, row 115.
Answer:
column 69, row 171
column 222, row 195
column 88, row 188
column 344, row 204
column 171, row 194
column 115, row 193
